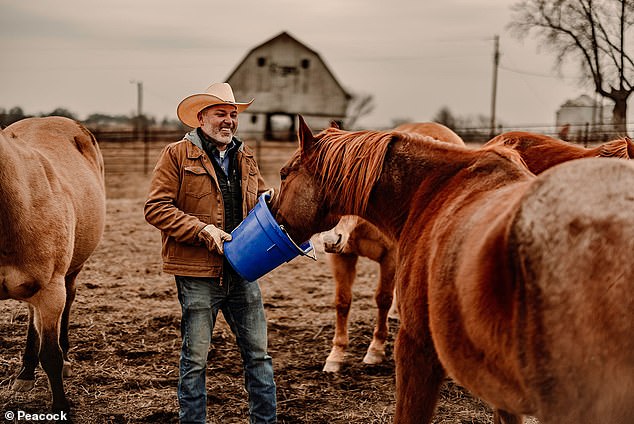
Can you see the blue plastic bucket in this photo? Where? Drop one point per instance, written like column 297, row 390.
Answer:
column 259, row 244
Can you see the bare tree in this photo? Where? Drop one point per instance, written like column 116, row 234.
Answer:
column 446, row 117
column 592, row 32
column 360, row 105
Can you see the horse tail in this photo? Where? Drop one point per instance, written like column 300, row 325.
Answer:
column 87, row 145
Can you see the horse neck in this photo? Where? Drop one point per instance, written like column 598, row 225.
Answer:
column 415, row 180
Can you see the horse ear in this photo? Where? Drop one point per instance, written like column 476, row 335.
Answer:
column 306, row 139
column 630, row 147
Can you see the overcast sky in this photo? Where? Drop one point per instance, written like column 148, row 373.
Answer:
column 413, row 56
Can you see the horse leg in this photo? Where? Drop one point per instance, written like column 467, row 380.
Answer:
column 383, row 296
column 419, row 375
column 26, row 377
column 393, row 313
column 71, row 290
column 344, row 268
column 49, row 306
column 503, row 417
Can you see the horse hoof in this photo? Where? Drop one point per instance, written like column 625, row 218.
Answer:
column 373, row 358
column 67, row 371
column 22, row 385
column 332, row 366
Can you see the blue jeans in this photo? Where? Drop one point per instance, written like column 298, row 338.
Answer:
column 241, row 304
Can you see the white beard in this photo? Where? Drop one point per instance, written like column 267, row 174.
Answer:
column 221, row 136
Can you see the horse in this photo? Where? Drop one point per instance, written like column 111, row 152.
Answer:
column 350, row 238
column 519, row 287
column 52, row 217
column 353, row 237
column 541, row 152
column 431, row 129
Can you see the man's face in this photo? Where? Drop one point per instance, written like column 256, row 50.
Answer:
column 219, row 122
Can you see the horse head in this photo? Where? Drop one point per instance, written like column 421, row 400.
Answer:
column 300, row 200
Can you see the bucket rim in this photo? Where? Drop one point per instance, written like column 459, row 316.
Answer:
column 280, row 230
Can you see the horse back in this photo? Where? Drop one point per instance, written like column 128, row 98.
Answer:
column 58, row 169
column 539, row 151
column 431, row 129
column 61, row 139
column 573, row 237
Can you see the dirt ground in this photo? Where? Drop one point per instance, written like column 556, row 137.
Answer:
column 125, row 336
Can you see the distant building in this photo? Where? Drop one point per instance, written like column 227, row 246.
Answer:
column 286, row 78
column 580, row 116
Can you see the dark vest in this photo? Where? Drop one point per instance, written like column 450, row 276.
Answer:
column 231, row 196
column 231, row 192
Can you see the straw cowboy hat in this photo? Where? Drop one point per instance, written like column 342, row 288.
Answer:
column 219, row 93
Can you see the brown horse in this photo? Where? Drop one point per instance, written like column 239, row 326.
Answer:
column 431, row 129
column 519, row 287
column 353, row 237
column 541, row 152
column 52, row 214
column 350, row 238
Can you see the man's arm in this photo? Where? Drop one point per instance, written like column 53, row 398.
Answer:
column 160, row 208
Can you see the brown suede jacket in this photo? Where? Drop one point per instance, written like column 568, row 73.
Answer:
column 184, row 197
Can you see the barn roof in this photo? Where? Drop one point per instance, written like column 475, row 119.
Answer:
column 286, row 35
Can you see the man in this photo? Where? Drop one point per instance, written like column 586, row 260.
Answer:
column 201, row 188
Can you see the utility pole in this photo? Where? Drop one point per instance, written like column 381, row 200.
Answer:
column 496, row 62
column 139, row 99
column 140, row 125
column 139, row 105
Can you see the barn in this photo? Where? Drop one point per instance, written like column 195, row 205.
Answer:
column 286, row 78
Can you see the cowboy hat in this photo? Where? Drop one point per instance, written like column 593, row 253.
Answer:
column 219, row 93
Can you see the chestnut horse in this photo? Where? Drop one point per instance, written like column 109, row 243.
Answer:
column 519, row 287
column 353, row 237
column 350, row 238
column 541, row 152
column 52, row 215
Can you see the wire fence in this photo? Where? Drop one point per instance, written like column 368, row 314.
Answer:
column 132, row 151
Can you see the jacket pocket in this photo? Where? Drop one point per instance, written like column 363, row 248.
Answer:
column 197, row 182
column 188, row 254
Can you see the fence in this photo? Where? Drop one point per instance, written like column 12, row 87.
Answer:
column 134, row 156
column 131, row 151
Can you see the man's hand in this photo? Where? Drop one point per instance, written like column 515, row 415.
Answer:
column 270, row 192
column 214, row 237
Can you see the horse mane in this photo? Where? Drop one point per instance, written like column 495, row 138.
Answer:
column 349, row 163
column 508, row 154
column 616, row 148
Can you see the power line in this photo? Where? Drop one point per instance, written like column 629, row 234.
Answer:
column 536, row 74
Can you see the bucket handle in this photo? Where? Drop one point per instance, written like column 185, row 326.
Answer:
column 314, row 254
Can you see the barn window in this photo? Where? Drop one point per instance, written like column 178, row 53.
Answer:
column 261, row 61
column 305, row 63
column 254, row 119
